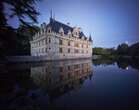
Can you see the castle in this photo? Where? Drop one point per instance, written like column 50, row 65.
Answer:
column 56, row 40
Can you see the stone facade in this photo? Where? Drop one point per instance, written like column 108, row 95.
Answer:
column 60, row 41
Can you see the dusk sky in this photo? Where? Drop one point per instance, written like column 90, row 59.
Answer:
column 110, row 22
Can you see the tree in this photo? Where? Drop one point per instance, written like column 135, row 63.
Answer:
column 122, row 49
column 25, row 11
column 24, row 35
column 134, row 49
column 103, row 51
column 21, row 9
column 97, row 50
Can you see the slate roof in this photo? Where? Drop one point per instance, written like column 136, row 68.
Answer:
column 56, row 25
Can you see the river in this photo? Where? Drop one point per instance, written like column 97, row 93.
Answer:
column 70, row 85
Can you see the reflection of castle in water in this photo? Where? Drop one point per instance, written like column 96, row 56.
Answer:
column 61, row 76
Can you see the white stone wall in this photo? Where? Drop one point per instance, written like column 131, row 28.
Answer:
column 47, row 44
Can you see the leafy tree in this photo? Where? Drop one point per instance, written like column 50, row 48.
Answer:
column 122, row 49
column 25, row 11
column 97, row 50
column 103, row 51
column 21, row 9
column 134, row 50
column 24, row 35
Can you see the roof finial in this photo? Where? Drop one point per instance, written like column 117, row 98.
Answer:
column 54, row 16
column 90, row 37
column 51, row 16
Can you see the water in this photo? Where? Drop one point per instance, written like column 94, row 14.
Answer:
column 70, row 85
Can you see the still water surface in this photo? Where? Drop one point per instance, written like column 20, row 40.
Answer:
column 70, row 85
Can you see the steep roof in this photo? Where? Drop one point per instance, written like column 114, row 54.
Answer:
column 56, row 25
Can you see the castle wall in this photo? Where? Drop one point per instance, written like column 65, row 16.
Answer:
column 49, row 45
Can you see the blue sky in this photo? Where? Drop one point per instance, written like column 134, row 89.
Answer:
column 110, row 22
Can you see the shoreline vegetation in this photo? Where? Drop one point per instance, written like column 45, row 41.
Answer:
column 121, row 61
column 122, row 51
column 123, row 56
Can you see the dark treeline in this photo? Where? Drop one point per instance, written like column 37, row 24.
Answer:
column 121, row 62
column 122, row 50
column 16, row 41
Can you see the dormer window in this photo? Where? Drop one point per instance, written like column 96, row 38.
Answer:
column 61, row 31
column 48, row 30
column 83, row 37
column 75, row 31
column 69, row 32
column 62, row 34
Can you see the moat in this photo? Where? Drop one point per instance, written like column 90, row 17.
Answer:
column 70, row 85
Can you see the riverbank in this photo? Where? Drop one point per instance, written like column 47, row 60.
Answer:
column 114, row 57
column 122, row 61
column 32, row 59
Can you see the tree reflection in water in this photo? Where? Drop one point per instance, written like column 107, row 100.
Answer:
column 123, row 63
column 40, row 86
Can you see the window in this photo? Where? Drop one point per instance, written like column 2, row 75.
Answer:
column 49, row 30
column 76, row 51
column 76, row 45
column 49, row 40
column 45, row 41
column 60, row 42
column 61, row 69
column 69, row 68
column 82, row 45
column 68, row 50
column 76, row 66
column 46, row 70
column 42, row 50
column 60, row 50
column 68, row 43
column 45, row 49
column 62, row 33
